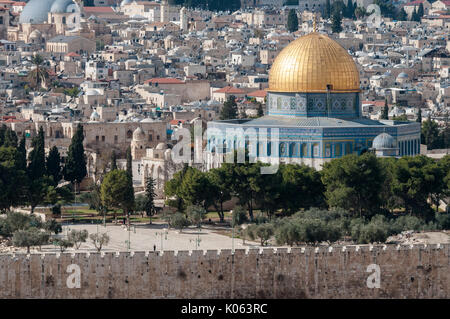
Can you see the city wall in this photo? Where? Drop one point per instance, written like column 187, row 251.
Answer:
column 418, row 271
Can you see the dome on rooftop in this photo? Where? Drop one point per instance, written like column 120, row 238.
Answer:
column 95, row 116
column 64, row 6
column 138, row 134
column 311, row 63
column 36, row 11
column 125, row 2
column 383, row 141
column 161, row 146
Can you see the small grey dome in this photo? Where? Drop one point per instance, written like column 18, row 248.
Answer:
column 383, row 141
column 402, row 75
column 36, row 11
column 64, row 6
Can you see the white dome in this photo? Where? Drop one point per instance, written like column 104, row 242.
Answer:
column 138, row 134
column 383, row 141
column 95, row 116
column 93, row 92
column 161, row 146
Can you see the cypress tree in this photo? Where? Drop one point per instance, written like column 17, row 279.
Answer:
column 327, row 11
column 420, row 11
column 129, row 162
column 419, row 116
column 150, row 198
column 36, row 167
column 260, row 110
column 402, row 15
column 21, row 149
column 385, row 112
column 53, row 165
column 75, row 168
column 336, row 22
column 113, row 161
column 2, row 134
column 292, row 22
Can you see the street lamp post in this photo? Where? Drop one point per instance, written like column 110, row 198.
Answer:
column 232, row 236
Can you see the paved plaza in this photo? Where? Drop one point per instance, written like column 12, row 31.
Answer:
column 145, row 237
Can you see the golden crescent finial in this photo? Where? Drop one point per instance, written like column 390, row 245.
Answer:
column 314, row 22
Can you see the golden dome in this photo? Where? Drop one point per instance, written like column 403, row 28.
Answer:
column 310, row 63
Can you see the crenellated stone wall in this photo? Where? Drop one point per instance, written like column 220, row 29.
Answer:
column 417, row 271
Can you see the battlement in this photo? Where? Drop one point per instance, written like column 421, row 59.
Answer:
column 242, row 252
column 404, row 271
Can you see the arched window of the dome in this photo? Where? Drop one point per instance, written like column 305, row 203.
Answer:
column 337, row 150
column 293, row 149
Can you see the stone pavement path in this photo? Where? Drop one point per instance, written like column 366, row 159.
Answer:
column 144, row 237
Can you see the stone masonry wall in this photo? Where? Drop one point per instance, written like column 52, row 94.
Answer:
column 328, row 272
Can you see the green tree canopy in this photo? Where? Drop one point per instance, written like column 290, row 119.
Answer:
column 354, row 183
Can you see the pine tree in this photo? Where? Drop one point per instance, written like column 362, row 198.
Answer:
column 75, row 169
column 292, row 22
column 336, row 22
column 113, row 161
column 229, row 109
column 150, row 198
column 53, row 165
column 385, row 112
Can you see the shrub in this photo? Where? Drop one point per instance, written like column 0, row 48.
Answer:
column 56, row 210
column 63, row 244
column 18, row 221
column 196, row 214
column 77, row 237
column 443, row 220
column 263, row 232
column 404, row 223
column 287, row 233
column 239, row 216
column 99, row 240
column 29, row 237
column 179, row 221
column 373, row 232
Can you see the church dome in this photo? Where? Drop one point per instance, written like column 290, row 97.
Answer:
column 312, row 62
column 36, row 11
column 125, row 2
column 36, row 34
column 383, row 141
column 64, row 6
column 138, row 134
